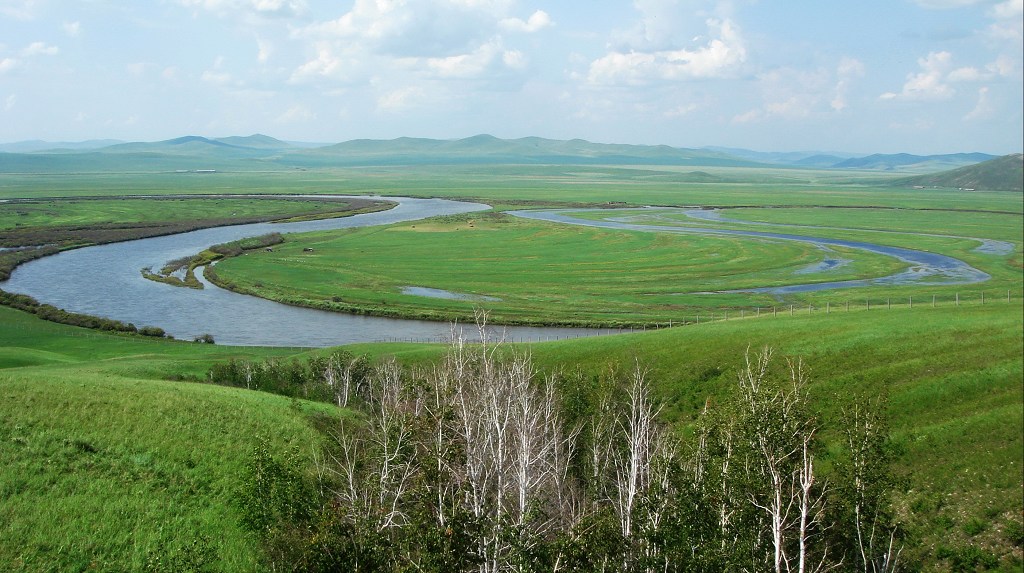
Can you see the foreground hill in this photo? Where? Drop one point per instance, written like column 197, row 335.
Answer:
column 1000, row 174
column 155, row 484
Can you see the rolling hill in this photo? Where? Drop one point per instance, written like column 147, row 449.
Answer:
column 260, row 152
column 1000, row 174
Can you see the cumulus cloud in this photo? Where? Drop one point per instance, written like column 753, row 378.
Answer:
column 934, row 81
column 266, row 8
column 18, row 9
column 983, row 109
column 537, row 21
column 72, row 29
column 8, row 64
column 401, row 99
column 417, row 40
column 1009, row 24
column 946, row 4
column 928, row 84
column 296, row 114
column 847, row 70
column 40, row 49
column 720, row 56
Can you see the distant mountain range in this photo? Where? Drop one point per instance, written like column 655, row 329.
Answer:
column 264, row 152
column 1004, row 173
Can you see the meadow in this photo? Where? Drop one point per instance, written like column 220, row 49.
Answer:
column 114, row 457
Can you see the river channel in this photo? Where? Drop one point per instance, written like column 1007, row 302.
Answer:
column 106, row 281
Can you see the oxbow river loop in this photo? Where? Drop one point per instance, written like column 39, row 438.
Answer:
column 105, row 281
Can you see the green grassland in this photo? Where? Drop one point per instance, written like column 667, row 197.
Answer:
column 106, row 464
column 553, row 273
column 111, row 459
column 109, row 464
column 84, row 212
column 541, row 272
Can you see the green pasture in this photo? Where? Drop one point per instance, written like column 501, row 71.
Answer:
column 82, row 212
column 107, row 464
column 515, row 184
column 541, row 272
column 942, row 232
column 951, row 376
column 557, row 273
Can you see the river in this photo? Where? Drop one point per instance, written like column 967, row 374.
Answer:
column 106, row 281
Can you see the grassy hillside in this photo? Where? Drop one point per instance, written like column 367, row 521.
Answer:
column 952, row 378
column 1000, row 174
column 110, row 465
column 107, row 465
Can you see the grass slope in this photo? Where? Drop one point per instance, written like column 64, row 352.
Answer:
column 105, row 465
column 953, row 378
column 1004, row 173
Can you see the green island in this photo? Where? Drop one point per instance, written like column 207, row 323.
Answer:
column 123, row 452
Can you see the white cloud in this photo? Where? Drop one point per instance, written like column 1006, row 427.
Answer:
column 718, row 57
column 749, row 116
column 296, row 114
column 18, row 9
column 265, row 50
column 846, row 71
column 983, row 109
column 537, row 21
column 40, row 49
column 265, row 8
column 937, row 74
column 217, row 77
column 72, row 29
column 10, row 102
column 946, row 4
column 487, row 60
column 326, row 64
column 1008, row 10
column 140, row 68
column 8, row 64
column 401, row 99
column 929, row 83
column 681, row 110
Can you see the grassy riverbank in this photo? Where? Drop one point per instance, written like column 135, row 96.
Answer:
column 524, row 271
column 40, row 227
column 527, row 272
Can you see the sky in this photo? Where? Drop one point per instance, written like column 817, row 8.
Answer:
column 873, row 76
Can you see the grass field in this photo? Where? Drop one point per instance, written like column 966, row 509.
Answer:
column 109, row 465
column 535, row 272
column 541, row 272
column 111, row 460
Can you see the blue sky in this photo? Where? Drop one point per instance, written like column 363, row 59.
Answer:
column 917, row 76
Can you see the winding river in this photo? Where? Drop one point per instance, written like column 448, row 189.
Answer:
column 105, row 280
column 924, row 268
